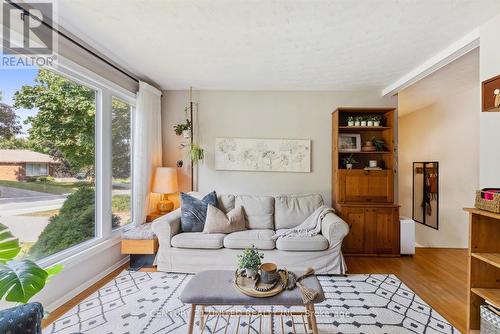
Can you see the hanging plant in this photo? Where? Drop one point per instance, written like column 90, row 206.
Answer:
column 181, row 127
column 197, row 153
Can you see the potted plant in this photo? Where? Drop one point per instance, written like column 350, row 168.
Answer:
column 250, row 261
column 183, row 129
column 363, row 120
column 357, row 121
column 20, row 279
column 350, row 121
column 378, row 143
column 350, row 161
column 376, row 120
column 369, row 121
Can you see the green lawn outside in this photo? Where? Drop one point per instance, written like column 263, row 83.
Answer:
column 121, row 203
column 58, row 188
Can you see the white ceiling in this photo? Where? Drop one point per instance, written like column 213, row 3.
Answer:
column 460, row 75
column 272, row 45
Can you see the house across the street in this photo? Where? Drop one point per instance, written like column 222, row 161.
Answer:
column 16, row 165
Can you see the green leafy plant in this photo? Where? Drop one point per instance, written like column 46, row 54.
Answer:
column 197, row 153
column 251, row 258
column 350, row 160
column 20, row 279
column 179, row 128
column 351, row 119
column 379, row 144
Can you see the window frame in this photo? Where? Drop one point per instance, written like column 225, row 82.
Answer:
column 105, row 90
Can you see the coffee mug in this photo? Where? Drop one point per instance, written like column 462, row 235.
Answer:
column 268, row 273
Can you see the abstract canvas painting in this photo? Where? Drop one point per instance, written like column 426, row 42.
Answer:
column 269, row 155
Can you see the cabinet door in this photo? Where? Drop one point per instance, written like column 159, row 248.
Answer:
column 354, row 242
column 386, row 221
column 365, row 186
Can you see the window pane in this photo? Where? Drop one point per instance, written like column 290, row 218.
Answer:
column 55, row 125
column 121, row 162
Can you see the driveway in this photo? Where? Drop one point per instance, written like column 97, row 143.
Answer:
column 13, row 195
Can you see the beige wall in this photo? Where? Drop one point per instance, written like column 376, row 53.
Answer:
column 490, row 121
column 448, row 132
column 292, row 114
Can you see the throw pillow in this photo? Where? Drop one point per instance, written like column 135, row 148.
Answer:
column 194, row 211
column 218, row 222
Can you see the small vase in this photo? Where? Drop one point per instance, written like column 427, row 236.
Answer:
column 376, row 123
column 363, row 123
column 357, row 123
column 369, row 123
column 186, row 133
column 350, row 123
column 348, row 166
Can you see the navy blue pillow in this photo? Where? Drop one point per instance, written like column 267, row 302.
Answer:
column 194, row 211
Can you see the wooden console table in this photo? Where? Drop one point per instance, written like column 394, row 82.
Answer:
column 484, row 264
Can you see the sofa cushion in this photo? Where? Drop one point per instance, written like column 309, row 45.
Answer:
column 226, row 202
column 198, row 240
column 194, row 211
column 314, row 243
column 261, row 239
column 219, row 222
column 259, row 211
column 292, row 210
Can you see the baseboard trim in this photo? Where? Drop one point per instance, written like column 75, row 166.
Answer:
column 70, row 295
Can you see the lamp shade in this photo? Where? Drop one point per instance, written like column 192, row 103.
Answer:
column 165, row 181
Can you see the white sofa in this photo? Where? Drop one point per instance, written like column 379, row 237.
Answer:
column 196, row 251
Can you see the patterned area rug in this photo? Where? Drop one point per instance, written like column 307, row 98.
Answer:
column 140, row 302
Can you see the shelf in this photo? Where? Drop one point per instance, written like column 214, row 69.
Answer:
column 365, row 128
column 374, row 152
column 490, row 258
column 483, row 213
column 491, row 295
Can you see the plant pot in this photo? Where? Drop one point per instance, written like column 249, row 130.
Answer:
column 357, row 123
column 251, row 272
column 376, row 123
column 351, row 123
column 363, row 123
column 348, row 166
column 369, row 123
column 186, row 133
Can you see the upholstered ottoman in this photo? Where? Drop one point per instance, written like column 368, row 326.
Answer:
column 215, row 287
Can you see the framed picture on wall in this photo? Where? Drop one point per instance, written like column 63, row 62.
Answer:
column 491, row 94
column 349, row 142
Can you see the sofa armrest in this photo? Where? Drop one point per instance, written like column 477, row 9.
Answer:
column 167, row 226
column 334, row 229
column 26, row 318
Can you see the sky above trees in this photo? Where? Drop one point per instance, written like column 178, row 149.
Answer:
column 12, row 80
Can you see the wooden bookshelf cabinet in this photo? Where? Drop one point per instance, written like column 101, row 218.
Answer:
column 484, row 263
column 365, row 198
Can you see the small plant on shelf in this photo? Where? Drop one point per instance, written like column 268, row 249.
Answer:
column 349, row 161
column 357, row 120
column 350, row 120
column 377, row 119
column 249, row 261
column 379, row 144
column 363, row 120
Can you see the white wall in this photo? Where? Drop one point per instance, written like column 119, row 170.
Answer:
column 446, row 131
column 259, row 114
column 490, row 121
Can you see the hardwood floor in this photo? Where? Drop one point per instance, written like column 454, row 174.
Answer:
column 437, row 275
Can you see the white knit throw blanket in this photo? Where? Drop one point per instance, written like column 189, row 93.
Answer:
column 311, row 226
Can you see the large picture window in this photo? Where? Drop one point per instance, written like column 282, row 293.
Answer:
column 59, row 179
column 57, row 123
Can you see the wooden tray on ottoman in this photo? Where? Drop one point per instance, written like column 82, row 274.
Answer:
column 246, row 285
